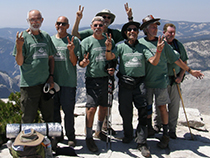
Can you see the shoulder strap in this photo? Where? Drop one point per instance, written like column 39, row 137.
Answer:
column 175, row 42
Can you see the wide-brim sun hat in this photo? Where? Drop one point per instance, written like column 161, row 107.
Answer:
column 149, row 20
column 28, row 137
column 125, row 26
column 106, row 11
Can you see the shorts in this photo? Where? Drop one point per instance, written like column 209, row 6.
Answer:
column 97, row 91
column 161, row 96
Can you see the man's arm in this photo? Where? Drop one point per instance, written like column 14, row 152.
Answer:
column 19, row 48
column 129, row 12
column 154, row 60
column 109, row 55
column 195, row 73
column 181, row 75
column 71, row 46
column 75, row 28
column 51, row 69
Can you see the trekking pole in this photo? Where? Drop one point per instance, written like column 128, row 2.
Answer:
column 183, row 104
column 108, row 120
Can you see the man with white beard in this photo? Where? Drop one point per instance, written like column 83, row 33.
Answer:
column 34, row 52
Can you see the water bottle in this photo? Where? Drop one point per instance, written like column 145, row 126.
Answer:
column 48, row 147
column 9, row 144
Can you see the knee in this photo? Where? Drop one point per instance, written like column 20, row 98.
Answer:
column 149, row 109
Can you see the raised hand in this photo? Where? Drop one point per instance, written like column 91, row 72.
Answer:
column 19, row 40
column 108, row 41
column 86, row 60
column 79, row 12
column 70, row 44
column 128, row 10
column 160, row 44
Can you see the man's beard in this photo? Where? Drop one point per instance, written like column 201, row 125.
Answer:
column 34, row 27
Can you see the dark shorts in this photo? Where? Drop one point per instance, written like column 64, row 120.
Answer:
column 97, row 91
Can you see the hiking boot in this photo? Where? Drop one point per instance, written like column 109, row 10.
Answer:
column 112, row 131
column 163, row 142
column 91, row 144
column 127, row 140
column 100, row 135
column 72, row 143
column 144, row 150
column 151, row 132
column 172, row 135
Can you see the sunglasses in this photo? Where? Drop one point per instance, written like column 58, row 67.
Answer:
column 108, row 17
column 61, row 23
column 130, row 29
column 96, row 25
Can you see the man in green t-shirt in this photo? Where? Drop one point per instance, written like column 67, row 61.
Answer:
column 34, row 52
column 92, row 57
column 109, row 19
column 132, row 59
column 157, row 76
column 65, row 74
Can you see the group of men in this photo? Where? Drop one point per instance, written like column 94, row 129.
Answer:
column 145, row 69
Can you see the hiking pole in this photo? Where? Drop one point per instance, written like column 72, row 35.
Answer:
column 183, row 104
column 108, row 120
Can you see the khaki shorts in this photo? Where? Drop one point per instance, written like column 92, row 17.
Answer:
column 161, row 96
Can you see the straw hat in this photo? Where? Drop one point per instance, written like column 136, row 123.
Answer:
column 149, row 20
column 106, row 11
column 28, row 137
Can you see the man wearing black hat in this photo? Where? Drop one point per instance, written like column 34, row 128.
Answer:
column 156, row 76
column 109, row 19
column 132, row 69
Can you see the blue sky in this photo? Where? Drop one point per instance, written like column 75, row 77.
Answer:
column 13, row 12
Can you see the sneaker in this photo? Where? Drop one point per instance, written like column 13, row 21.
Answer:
column 151, row 132
column 91, row 144
column 113, row 132
column 172, row 135
column 127, row 140
column 144, row 150
column 157, row 128
column 100, row 135
column 72, row 143
column 163, row 142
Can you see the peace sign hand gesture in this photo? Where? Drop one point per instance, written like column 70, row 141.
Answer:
column 128, row 10
column 19, row 40
column 108, row 41
column 79, row 12
column 85, row 61
column 160, row 44
column 70, row 44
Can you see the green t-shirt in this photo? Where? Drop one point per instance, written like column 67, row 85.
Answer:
column 65, row 74
column 36, row 51
column 182, row 54
column 156, row 76
column 96, row 49
column 131, row 59
column 116, row 34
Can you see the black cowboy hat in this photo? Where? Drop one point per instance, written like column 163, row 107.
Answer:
column 125, row 26
column 149, row 20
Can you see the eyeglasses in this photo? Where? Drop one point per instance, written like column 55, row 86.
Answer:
column 130, row 29
column 108, row 17
column 96, row 25
column 35, row 19
column 61, row 23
